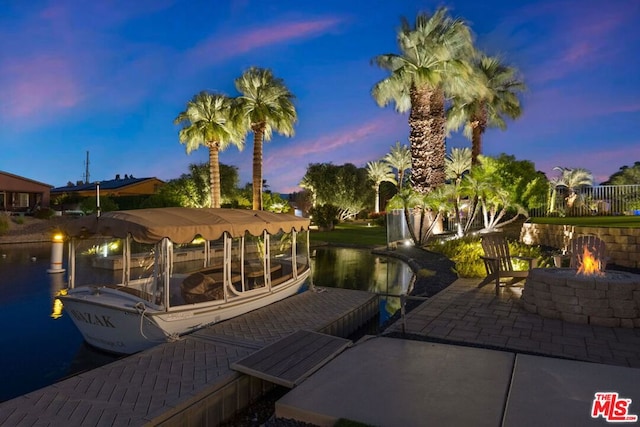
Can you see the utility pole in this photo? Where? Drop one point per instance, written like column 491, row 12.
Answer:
column 86, row 172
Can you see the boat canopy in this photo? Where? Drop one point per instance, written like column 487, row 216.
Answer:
column 182, row 225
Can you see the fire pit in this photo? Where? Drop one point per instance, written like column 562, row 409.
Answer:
column 609, row 300
column 584, row 295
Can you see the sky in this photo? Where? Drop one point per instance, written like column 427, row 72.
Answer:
column 108, row 78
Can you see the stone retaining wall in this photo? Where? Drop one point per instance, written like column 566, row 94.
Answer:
column 623, row 244
column 612, row 301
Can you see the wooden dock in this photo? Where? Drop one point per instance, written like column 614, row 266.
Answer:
column 190, row 381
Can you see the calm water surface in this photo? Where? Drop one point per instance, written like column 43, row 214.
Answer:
column 349, row 268
column 40, row 345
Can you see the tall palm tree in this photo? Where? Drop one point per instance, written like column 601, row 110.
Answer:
column 499, row 98
column 266, row 105
column 433, row 64
column 379, row 172
column 399, row 158
column 209, row 120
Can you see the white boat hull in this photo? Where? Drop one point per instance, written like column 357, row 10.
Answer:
column 121, row 323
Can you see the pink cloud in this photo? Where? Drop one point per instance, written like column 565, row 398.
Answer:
column 352, row 145
column 360, row 133
column 577, row 53
column 39, row 84
column 217, row 48
column 583, row 37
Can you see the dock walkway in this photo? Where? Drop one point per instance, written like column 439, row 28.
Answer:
column 469, row 357
column 188, row 382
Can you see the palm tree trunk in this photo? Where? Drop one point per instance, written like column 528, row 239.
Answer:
column 400, row 179
column 377, row 207
column 479, row 125
column 258, row 134
column 427, row 137
column 214, row 173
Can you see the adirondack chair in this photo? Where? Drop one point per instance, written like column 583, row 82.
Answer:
column 593, row 244
column 498, row 262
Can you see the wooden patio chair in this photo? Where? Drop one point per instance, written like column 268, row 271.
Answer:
column 499, row 262
column 595, row 245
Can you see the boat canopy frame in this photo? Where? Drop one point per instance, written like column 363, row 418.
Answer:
column 144, row 225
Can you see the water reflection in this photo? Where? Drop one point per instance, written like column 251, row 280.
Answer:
column 349, row 268
column 56, row 288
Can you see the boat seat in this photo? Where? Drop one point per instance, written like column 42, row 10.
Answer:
column 278, row 280
column 199, row 287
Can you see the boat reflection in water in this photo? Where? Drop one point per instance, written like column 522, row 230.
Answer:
column 350, row 268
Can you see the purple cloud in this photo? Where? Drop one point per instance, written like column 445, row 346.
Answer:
column 586, row 36
column 219, row 48
column 350, row 145
column 38, row 85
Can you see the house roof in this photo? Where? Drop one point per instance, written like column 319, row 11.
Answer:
column 25, row 179
column 113, row 184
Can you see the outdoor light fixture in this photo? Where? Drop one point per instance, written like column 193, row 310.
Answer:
column 56, row 253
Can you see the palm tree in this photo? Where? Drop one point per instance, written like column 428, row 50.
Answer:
column 379, row 172
column 432, row 64
column 484, row 184
column 266, row 105
column 399, row 158
column 457, row 164
column 499, row 98
column 574, row 178
column 208, row 120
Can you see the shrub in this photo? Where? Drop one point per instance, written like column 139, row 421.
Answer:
column 379, row 219
column 466, row 252
column 4, row 224
column 324, row 216
column 44, row 213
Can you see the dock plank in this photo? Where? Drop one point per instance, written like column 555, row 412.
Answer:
column 292, row 359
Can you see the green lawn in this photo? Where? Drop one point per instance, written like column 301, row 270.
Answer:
column 592, row 221
column 352, row 233
column 359, row 234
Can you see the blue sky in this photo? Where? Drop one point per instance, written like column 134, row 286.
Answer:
column 109, row 77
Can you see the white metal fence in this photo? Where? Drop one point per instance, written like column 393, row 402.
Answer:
column 602, row 200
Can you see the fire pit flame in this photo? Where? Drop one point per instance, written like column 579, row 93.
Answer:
column 589, row 265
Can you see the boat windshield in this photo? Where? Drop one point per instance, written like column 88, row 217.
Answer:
column 101, row 261
column 193, row 272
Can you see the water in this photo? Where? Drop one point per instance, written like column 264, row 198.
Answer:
column 40, row 347
column 359, row 269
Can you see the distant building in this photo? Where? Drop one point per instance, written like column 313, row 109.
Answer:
column 118, row 187
column 19, row 194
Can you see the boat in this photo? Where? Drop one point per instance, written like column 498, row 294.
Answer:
column 138, row 278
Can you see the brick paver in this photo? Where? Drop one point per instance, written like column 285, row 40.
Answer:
column 466, row 314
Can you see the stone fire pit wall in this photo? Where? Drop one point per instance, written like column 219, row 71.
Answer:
column 623, row 244
column 558, row 293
